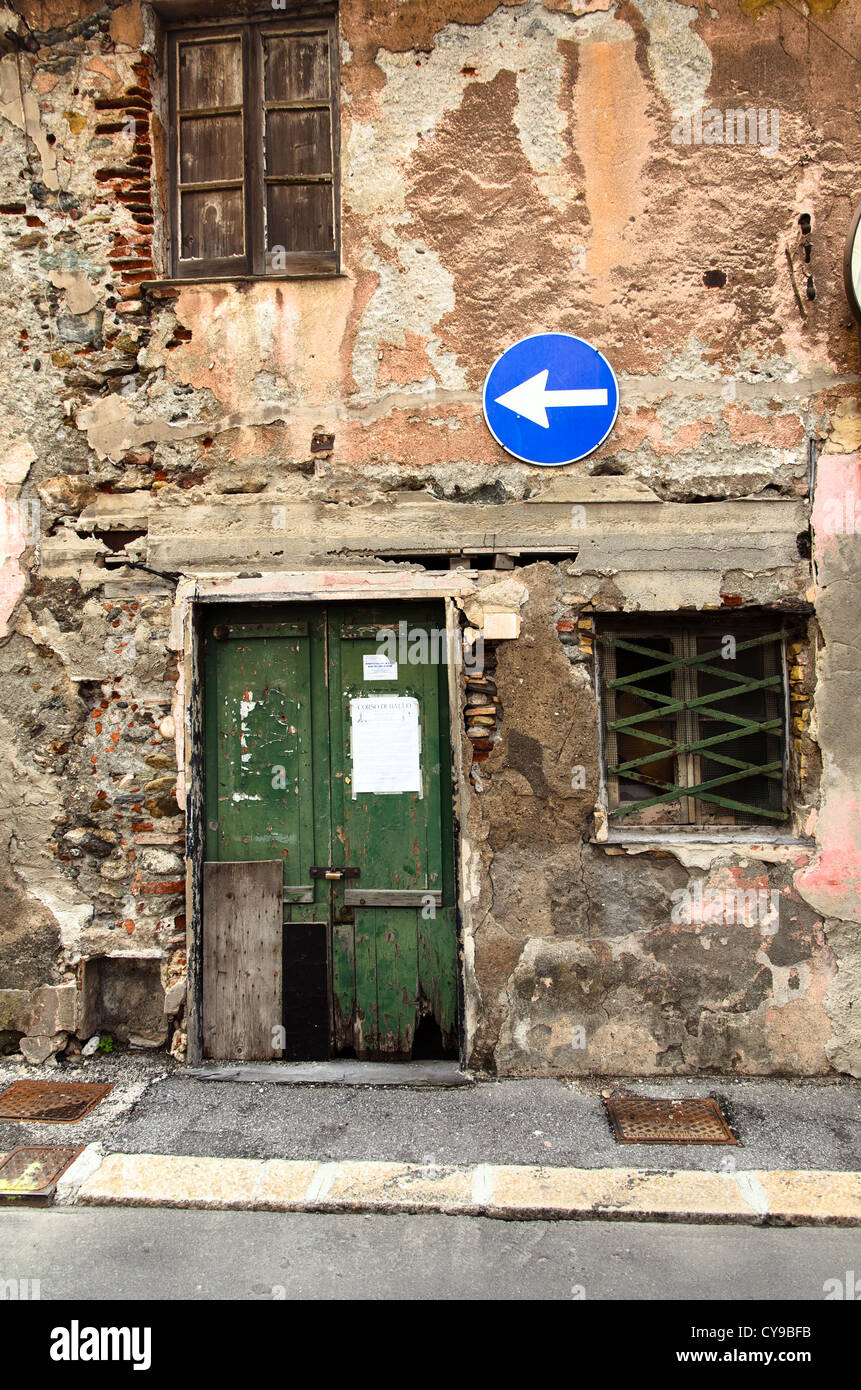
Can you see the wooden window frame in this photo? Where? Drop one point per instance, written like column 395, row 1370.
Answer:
column 689, row 728
column 255, row 263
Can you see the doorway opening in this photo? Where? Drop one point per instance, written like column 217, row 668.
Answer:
column 329, row 907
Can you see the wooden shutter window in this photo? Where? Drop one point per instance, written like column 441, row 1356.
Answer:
column 209, row 212
column 297, row 90
column 254, row 150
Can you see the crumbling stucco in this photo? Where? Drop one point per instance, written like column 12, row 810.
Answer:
column 506, row 169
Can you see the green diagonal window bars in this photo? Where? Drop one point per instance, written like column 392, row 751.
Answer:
column 695, row 724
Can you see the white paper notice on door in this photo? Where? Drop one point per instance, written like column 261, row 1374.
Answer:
column 376, row 666
column 385, row 741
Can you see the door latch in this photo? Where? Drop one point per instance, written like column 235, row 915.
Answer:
column 328, row 871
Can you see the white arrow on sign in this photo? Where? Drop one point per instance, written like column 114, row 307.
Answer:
column 531, row 398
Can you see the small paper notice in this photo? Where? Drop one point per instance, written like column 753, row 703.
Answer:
column 385, row 741
column 376, row 666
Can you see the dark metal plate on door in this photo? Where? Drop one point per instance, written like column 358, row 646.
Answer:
column 306, row 992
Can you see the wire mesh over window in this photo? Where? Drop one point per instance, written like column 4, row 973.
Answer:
column 694, row 725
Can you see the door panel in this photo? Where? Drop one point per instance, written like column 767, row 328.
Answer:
column 381, row 945
column 242, row 959
column 396, row 840
column 396, row 977
column 262, row 800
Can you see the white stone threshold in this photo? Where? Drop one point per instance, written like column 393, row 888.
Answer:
column 347, row 1073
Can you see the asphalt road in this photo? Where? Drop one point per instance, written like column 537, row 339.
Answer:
column 105, row 1253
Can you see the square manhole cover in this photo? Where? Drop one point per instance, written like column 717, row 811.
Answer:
column 641, row 1120
column 51, row 1102
column 33, row 1170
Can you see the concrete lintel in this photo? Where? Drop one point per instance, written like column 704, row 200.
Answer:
column 252, row 534
column 342, row 586
column 313, row 585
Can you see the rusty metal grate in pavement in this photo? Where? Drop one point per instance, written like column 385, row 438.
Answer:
column 32, row 1171
column 51, row 1102
column 641, row 1120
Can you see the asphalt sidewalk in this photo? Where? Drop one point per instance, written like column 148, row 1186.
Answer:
column 514, row 1148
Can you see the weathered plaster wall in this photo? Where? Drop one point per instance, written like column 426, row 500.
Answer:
column 832, row 882
column 582, row 961
column 506, row 168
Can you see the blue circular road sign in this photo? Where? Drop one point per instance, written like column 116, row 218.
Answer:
column 551, row 399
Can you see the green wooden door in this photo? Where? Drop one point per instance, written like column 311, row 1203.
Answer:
column 323, row 754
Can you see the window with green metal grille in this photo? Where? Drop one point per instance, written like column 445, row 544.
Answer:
column 694, row 723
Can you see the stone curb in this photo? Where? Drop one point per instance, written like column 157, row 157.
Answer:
column 89, row 1161
column 508, row 1192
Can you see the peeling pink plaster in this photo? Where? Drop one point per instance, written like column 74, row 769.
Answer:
column 288, row 330
column 837, row 502
column 688, row 436
column 747, row 427
column 832, row 883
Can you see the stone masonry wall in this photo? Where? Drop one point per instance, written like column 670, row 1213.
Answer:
column 507, row 168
